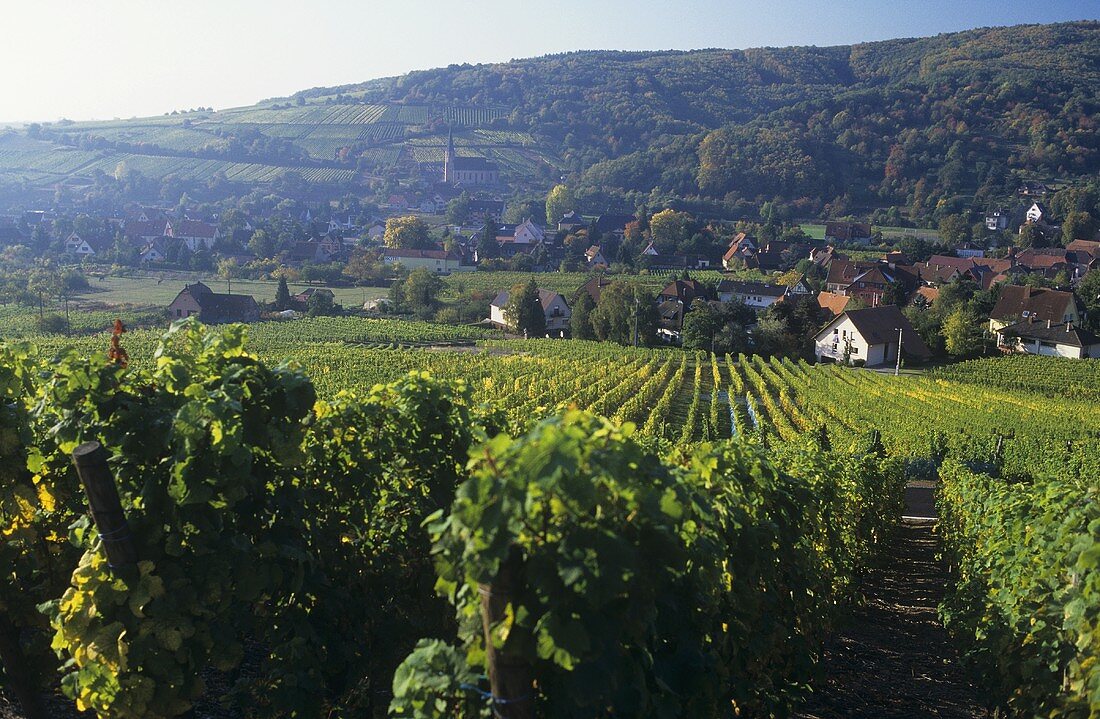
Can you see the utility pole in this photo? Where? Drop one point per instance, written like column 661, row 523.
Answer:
column 635, row 315
column 897, row 367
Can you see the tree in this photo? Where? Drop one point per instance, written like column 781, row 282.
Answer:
column 227, row 270
column 458, row 210
column 559, row 201
column 282, row 295
column 363, row 265
column 521, row 209
column 954, row 229
column 1089, row 292
column 700, row 326
column 487, row 245
column 320, row 303
column 668, row 228
column 261, row 244
column 962, row 333
column 1031, row 235
column 524, row 311
column 580, row 322
column 408, row 232
column 895, row 294
column 420, row 292
column 622, row 305
column 1077, row 226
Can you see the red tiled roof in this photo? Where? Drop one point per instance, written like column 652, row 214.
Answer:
column 833, row 302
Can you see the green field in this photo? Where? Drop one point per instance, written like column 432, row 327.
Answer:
column 158, row 291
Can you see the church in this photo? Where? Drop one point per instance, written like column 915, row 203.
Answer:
column 467, row 170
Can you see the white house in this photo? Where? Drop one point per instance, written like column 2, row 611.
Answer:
column 996, row 220
column 753, row 294
column 528, row 233
column 969, row 251
column 440, row 262
column 196, row 234
column 554, row 307
column 1049, row 339
column 594, row 257
column 870, row 335
column 77, row 245
column 376, row 230
column 1035, row 213
column 153, row 252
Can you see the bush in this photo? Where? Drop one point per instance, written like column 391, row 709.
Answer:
column 53, row 324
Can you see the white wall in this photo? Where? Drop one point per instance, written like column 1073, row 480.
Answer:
column 860, row 350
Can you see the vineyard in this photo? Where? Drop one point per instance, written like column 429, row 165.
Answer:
column 317, row 510
column 160, row 146
column 1052, row 376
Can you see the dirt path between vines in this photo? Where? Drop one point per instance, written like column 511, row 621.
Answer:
column 891, row 658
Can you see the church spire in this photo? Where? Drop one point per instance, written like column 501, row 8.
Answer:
column 449, row 157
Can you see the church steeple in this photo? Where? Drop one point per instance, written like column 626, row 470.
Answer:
column 449, row 157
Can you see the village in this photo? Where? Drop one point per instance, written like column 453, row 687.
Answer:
column 1019, row 282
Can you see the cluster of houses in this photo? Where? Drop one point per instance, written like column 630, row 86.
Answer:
column 864, row 298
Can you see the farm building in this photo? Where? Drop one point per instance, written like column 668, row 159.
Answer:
column 211, row 307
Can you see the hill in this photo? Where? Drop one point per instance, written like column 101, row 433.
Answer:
column 895, row 123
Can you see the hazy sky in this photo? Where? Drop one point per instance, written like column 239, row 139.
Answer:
column 84, row 59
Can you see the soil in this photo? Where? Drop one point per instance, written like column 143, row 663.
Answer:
column 891, row 658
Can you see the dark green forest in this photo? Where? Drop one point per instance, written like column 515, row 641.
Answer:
column 890, row 123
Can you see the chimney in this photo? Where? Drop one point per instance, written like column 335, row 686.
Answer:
column 1069, row 327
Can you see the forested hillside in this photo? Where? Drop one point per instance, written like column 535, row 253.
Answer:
column 957, row 110
column 900, row 123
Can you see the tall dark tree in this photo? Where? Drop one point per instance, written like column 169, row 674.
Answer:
column 580, row 322
column 282, row 295
column 701, row 325
column 487, row 245
column 524, row 310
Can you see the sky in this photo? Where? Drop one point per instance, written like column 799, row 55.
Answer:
column 85, row 60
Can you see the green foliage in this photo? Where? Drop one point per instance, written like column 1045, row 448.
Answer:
column 622, row 309
column 258, row 519
column 420, row 292
column 700, row 586
column 524, row 311
column 1029, row 373
column 409, row 232
column 487, row 245
column 320, row 304
column 559, row 201
column 962, row 333
column 1024, row 605
column 435, row 681
column 205, row 440
column 282, row 295
column 580, row 321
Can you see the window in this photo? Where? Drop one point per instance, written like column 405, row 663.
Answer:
column 836, row 330
column 855, row 350
column 179, row 313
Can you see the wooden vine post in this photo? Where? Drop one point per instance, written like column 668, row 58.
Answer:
column 510, row 676
column 90, row 460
